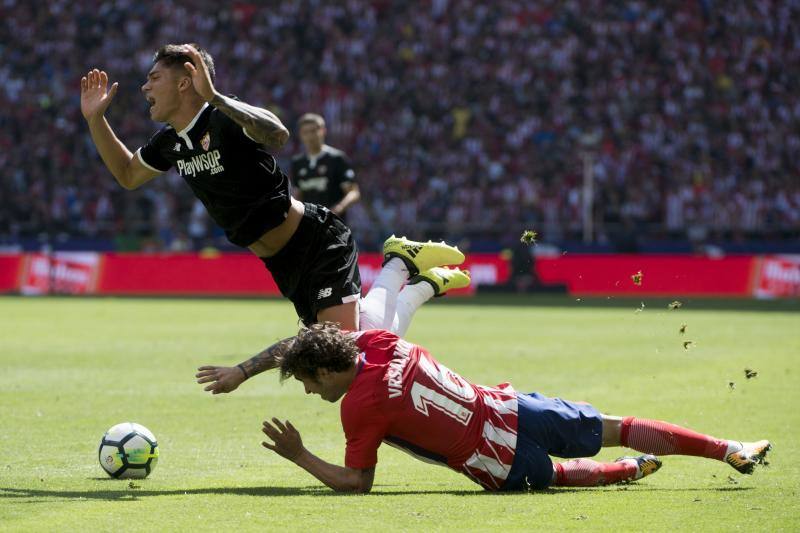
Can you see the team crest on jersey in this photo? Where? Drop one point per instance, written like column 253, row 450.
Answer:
column 322, row 169
column 205, row 142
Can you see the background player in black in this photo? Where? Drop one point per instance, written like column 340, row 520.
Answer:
column 322, row 175
column 217, row 145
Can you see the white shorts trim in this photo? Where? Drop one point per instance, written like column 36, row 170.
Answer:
column 351, row 298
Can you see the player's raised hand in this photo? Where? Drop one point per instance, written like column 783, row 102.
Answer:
column 95, row 96
column 220, row 378
column 201, row 79
column 287, row 441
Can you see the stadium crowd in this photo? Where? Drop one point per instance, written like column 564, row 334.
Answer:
column 462, row 118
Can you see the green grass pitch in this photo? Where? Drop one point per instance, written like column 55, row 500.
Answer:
column 71, row 368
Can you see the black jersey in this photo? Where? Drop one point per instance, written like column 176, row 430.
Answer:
column 237, row 180
column 320, row 178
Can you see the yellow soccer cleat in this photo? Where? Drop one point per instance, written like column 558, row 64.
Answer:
column 421, row 256
column 442, row 279
column 751, row 454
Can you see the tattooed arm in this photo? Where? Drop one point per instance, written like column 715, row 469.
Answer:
column 264, row 360
column 228, row 378
column 259, row 124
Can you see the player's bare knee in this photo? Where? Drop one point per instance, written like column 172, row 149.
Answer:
column 612, row 430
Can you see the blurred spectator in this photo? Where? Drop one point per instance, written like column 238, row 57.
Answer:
column 322, row 174
column 464, row 117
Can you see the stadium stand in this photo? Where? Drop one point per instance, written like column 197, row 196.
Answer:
column 464, row 118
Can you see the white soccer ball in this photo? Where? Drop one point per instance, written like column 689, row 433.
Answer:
column 128, row 450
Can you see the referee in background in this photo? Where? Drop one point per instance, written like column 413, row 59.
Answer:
column 322, row 174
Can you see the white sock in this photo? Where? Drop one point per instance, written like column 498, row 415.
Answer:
column 377, row 308
column 733, row 447
column 411, row 298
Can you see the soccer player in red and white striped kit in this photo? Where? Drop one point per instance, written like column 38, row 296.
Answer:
column 395, row 392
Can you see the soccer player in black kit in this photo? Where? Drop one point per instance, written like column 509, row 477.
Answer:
column 322, row 174
column 219, row 147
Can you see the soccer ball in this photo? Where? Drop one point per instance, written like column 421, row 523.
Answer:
column 128, row 450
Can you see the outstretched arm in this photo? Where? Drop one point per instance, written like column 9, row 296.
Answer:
column 228, row 378
column 287, row 443
column 260, row 125
column 95, row 99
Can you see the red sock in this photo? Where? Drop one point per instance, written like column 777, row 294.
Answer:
column 663, row 438
column 588, row 473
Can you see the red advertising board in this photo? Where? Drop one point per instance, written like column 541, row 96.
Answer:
column 10, row 272
column 237, row 274
column 670, row 275
column 485, row 269
column 60, row 273
column 241, row 274
column 777, row 277
column 234, row 274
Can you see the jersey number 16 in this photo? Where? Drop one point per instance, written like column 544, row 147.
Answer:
column 451, row 388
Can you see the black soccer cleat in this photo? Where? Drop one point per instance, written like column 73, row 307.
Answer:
column 645, row 465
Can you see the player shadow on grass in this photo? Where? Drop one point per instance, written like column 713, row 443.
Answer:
column 125, row 493
column 134, row 494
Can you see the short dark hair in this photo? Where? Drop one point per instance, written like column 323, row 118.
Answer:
column 174, row 55
column 311, row 118
column 319, row 346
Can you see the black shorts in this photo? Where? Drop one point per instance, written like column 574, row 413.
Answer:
column 318, row 267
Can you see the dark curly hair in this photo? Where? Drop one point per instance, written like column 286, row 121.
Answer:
column 316, row 347
column 174, row 55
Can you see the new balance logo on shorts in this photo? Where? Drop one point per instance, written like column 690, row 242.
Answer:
column 324, row 293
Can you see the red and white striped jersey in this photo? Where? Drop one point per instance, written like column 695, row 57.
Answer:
column 404, row 397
